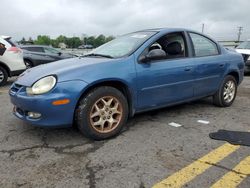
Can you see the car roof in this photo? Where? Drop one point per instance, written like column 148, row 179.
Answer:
column 35, row 46
column 164, row 30
column 5, row 37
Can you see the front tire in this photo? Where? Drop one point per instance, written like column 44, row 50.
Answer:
column 3, row 76
column 226, row 94
column 102, row 113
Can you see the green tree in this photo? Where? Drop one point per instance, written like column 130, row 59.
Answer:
column 109, row 38
column 43, row 40
column 99, row 40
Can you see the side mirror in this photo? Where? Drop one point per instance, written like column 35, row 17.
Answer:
column 155, row 54
column 59, row 53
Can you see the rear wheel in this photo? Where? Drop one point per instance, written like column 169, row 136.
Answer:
column 225, row 96
column 3, row 76
column 102, row 113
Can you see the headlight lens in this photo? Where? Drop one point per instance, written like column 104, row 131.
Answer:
column 42, row 86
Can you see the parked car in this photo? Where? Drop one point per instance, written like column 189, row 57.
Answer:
column 86, row 46
column 244, row 49
column 11, row 59
column 38, row 54
column 136, row 72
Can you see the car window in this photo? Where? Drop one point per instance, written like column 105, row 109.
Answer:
column 124, row 45
column 173, row 45
column 203, row 46
column 34, row 49
column 51, row 50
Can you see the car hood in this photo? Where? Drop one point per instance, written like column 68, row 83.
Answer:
column 65, row 70
column 243, row 51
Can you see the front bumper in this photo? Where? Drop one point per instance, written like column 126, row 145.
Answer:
column 51, row 115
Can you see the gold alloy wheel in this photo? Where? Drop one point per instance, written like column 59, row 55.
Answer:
column 106, row 114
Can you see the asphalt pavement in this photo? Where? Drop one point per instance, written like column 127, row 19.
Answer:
column 149, row 152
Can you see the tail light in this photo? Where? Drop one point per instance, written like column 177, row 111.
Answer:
column 14, row 49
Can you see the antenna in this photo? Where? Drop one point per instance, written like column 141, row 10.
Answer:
column 202, row 28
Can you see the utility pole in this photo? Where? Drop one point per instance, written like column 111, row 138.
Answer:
column 239, row 32
column 202, row 28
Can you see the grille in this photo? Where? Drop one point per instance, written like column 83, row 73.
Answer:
column 15, row 88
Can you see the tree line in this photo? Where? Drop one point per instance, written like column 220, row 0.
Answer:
column 71, row 42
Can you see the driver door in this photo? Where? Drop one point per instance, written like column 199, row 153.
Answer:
column 165, row 81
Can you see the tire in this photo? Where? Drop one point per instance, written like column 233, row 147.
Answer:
column 3, row 76
column 28, row 64
column 220, row 98
column 102, row 113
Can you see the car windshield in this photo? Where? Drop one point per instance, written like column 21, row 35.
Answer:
column 244, row 45
column 123, row 45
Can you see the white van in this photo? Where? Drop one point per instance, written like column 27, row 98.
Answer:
column 11, row 59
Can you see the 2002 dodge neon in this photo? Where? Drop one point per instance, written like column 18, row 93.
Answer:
column 136, row 72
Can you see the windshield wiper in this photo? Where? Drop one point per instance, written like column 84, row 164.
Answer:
column 95, row 55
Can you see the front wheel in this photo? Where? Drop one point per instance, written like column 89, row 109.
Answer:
column 226, row 94
column 102, row 113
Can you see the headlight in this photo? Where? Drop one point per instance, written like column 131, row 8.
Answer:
column 42, row 86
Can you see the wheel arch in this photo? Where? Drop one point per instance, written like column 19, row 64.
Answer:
column 6, row 68
column 236, row 75
column 118, row 84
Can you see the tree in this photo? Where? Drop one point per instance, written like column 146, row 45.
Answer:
column 43, row 40
column 109, row 38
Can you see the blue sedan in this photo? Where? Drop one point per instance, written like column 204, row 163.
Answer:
column 136, row 72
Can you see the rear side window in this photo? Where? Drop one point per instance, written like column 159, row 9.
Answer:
column 203, row 46
column 34, row 49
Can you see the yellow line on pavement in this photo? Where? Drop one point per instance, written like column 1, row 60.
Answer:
column 236, row 176
column 188, row 173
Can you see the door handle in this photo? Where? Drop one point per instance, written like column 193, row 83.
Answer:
column 188, row 68
column 221, row 65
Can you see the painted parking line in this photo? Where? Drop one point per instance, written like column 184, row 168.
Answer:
column 236, row 176
column 196, row 168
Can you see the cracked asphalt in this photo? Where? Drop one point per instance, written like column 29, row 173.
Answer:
column 147, row 151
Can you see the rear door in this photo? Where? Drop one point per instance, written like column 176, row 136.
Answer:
column 209, row 65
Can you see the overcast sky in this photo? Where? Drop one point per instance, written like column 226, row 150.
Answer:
column 27, row 18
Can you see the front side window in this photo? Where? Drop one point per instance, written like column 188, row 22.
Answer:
column 51, row 50
column 34, row 49
column 203, row 46
column 124, row 45
column 170, row 46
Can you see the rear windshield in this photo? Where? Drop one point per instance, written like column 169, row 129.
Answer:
column 10, row 42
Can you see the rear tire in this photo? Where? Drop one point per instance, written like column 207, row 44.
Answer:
column 226, row 94
column 102, row 113
column 3, row 76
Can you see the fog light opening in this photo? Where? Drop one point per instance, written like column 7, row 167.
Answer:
column 34, row 115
